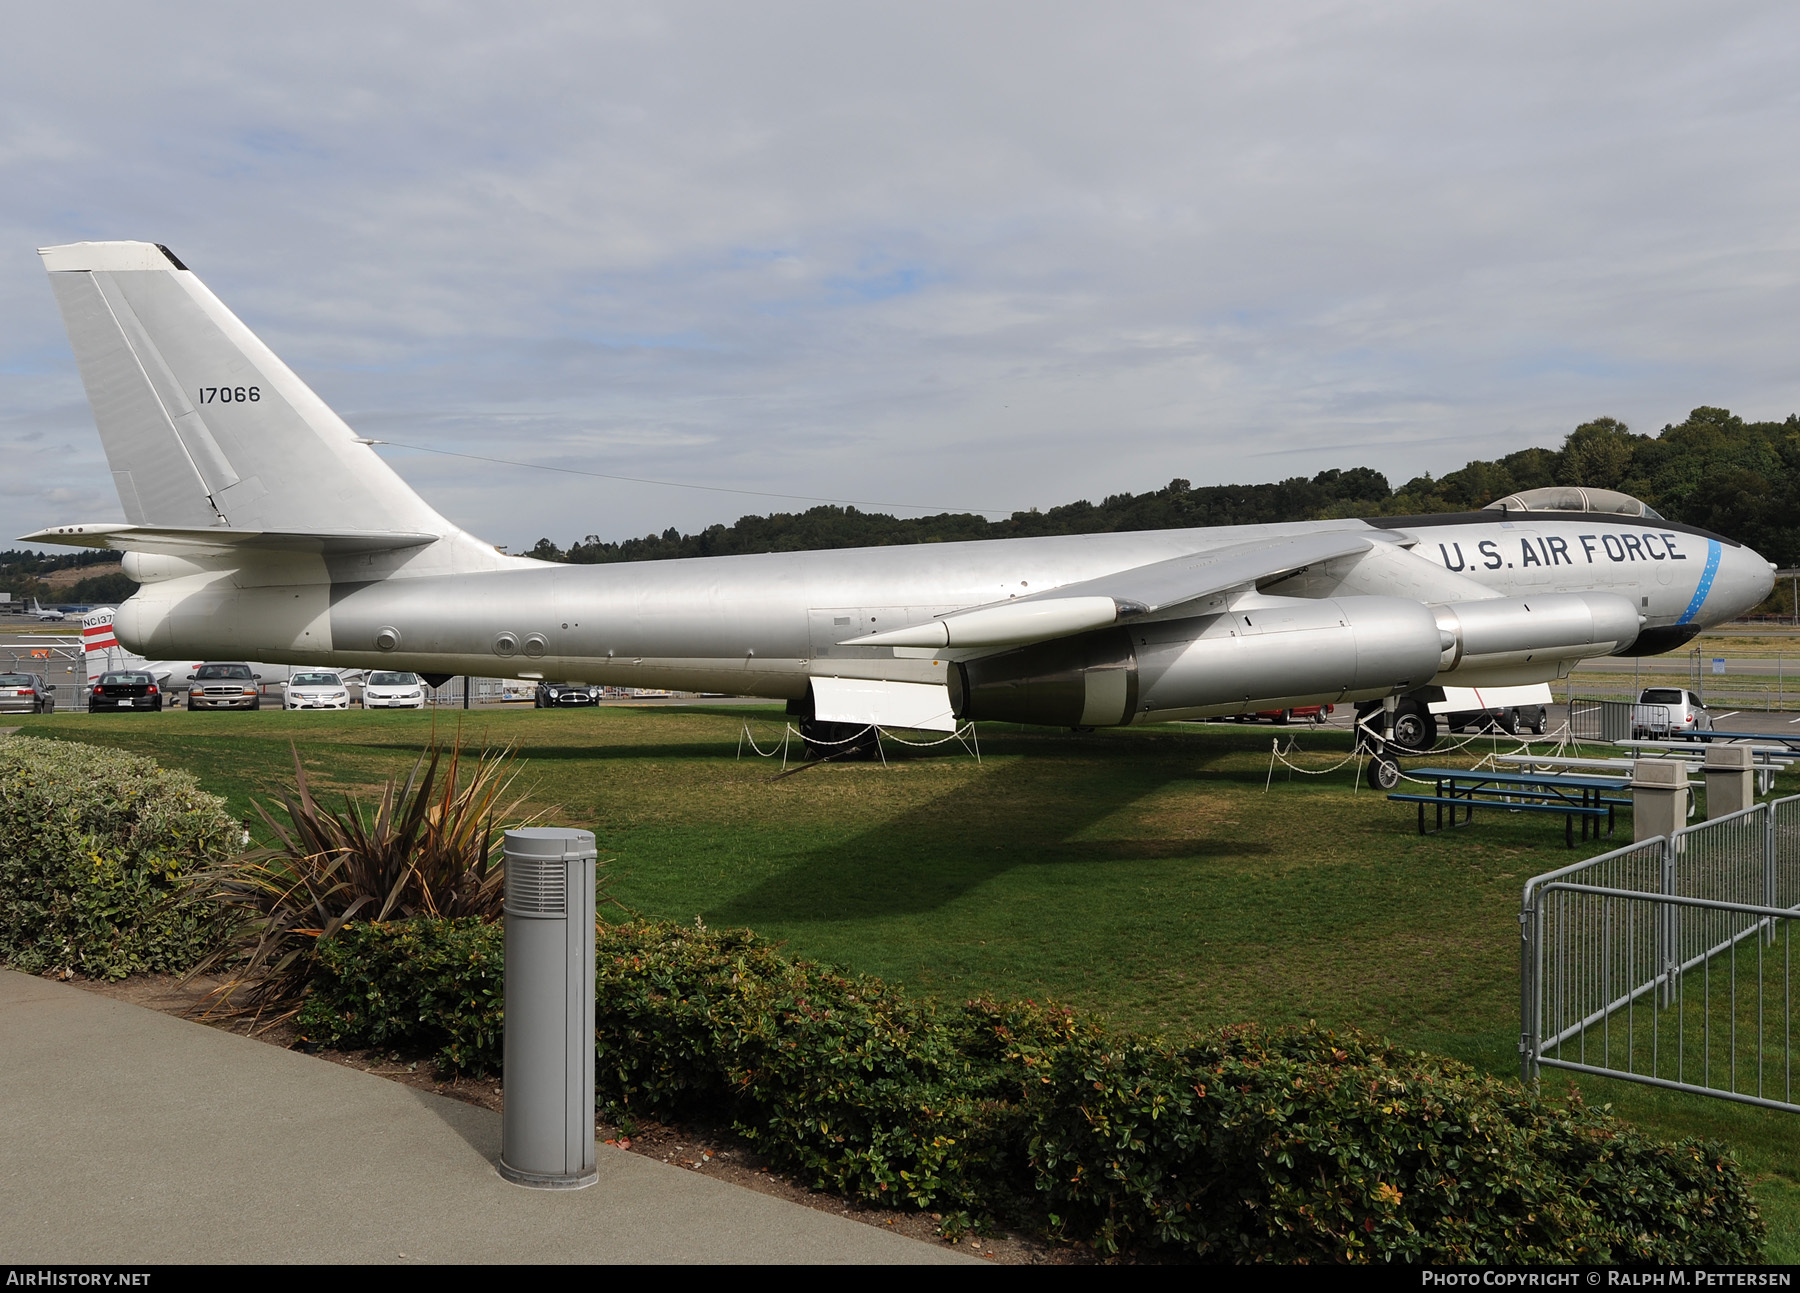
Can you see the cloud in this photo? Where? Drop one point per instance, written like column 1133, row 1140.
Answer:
column 970, row 256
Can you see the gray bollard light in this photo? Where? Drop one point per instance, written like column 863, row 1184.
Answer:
column 547, row 1129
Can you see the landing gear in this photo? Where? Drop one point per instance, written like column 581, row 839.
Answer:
column 1384, row 772
column 1415, row 727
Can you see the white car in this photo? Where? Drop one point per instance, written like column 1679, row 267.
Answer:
column 1662, row 711
column 386, row 690
column 316, row 691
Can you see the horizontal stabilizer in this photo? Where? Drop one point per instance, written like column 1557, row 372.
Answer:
column 1125, row 594
column 199, row 541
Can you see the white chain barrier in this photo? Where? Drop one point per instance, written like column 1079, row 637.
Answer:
column 1562, row 737
column 964, row 734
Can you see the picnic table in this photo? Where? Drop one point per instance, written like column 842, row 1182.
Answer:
column 1598, row 767
column 1767, row 759
column 1619, row 768
column 1587, row 798
column 1790, row 741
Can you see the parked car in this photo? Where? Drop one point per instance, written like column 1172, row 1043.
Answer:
column 316, row 691
column 1509, row 719
column 26, row 693
column 1662, row 710
column 557, row 695
column 387, row 690
column 224, row 686
column 124, row 689
column 1299, row 713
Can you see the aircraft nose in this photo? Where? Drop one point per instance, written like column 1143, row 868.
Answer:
column 1745, row 578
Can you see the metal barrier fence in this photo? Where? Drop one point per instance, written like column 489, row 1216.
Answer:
column 1669, row 962
column 1617, row 720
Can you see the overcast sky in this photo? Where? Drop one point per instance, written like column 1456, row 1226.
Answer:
column 967, row 256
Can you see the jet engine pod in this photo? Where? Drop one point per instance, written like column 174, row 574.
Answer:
column 1084, row 681
column 1529, row 637
column 1273, row 652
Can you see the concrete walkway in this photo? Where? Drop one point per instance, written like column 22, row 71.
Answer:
column 131, row 1136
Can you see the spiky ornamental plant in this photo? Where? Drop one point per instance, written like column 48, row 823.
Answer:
column 429, row 847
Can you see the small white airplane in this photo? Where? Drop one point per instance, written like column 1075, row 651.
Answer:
column 48, row 617
column 261, row 526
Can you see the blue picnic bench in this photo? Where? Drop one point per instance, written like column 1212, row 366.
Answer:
column 1589, row 800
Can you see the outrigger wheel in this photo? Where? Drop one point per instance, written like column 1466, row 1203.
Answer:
column 1384, row 772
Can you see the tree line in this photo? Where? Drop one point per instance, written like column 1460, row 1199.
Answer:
column 1741, row 479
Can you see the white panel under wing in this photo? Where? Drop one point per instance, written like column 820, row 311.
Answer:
column 1465, row 700
column 921, row 706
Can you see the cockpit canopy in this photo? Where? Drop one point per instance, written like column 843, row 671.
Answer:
column 1573, row 498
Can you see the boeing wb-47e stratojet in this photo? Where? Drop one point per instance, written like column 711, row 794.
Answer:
column 260, row 526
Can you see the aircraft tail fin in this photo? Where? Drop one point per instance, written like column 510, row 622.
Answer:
column 203, row 425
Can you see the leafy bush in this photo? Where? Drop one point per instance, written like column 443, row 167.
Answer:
column 97, row 854
column 1314, row 1146
column 429, row 847
column 426, row 984
column 865, row 1090
column 1302, row 1145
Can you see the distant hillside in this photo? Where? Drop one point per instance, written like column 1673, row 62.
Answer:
column 79, row 578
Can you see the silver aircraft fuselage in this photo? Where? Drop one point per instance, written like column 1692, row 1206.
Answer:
column 764, row 625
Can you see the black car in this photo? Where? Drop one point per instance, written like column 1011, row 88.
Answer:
column 126, row 689
column 559, row 695
column 1510, row 719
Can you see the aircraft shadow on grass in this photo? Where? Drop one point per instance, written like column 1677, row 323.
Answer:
column 939, row 851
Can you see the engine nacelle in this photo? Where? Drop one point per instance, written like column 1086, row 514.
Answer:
column 1266, row 653
column 1090, row 680
column 1531, row 639
column 205, row 615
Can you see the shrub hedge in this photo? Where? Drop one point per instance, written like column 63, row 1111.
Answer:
column 95, row 850
column 1246, row 1145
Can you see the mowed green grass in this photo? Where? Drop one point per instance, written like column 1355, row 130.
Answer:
column 1144, row 875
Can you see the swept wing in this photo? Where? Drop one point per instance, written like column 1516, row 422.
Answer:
column 1151, row 590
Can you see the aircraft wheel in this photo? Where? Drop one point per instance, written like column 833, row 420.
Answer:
column 1385, row 773
column 1415, row 728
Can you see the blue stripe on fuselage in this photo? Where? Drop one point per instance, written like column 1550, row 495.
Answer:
column 1706, row 582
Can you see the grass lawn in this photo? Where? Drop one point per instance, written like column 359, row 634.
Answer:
column 1143, row 875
